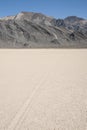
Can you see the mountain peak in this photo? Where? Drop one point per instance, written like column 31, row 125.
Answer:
column 34, row 17
column 7, row 18
column 73, row 19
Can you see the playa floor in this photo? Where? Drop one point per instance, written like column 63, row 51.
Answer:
column 43, row 89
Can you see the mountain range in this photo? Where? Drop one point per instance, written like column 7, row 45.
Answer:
column 36, row 30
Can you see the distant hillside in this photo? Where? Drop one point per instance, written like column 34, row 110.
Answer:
column 35, row 30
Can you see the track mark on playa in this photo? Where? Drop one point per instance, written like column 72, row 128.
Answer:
column 21, row 113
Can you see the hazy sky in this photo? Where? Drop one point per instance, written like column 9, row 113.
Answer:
column 56, row 8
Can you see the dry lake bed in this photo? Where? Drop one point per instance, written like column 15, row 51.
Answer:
column 43, row 89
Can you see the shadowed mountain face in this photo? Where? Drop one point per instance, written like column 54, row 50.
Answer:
column 35, row 30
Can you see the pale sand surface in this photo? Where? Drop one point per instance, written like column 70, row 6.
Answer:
column 43, row 89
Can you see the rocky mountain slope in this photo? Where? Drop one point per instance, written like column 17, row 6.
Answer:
column 35, row 30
